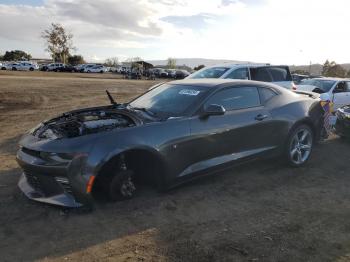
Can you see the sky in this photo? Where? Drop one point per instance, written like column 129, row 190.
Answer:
column 271, row 31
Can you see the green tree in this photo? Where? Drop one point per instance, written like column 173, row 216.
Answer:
column 76, row 60
column 348, row 74
column 336, row 71
column 16, row 55
column 171, row 63
column 59, row 42
column 198, row 67
column 332, row 69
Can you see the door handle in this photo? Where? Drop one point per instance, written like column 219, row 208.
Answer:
column 261, row 117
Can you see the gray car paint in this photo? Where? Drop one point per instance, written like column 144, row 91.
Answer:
column 184, row 146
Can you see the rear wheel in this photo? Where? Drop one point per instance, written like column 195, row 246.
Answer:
column 31, row 69
column 14, row 69
column 299, row 146
column 121, row 186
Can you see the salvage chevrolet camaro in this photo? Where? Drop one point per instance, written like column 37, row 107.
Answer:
column 173, row 133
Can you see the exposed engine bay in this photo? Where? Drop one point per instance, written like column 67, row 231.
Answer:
column 80, row 123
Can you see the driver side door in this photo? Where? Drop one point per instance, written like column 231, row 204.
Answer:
column 341, row 94
column 238, row 134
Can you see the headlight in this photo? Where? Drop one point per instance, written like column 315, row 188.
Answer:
column 34, row 129
column 341, row 112
column 60, row 157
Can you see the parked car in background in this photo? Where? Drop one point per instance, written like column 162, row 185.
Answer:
column 67, row 68
column 338, row 89
column 53, row 67
column 95, row 69
column 3, row 66
column 12, row 66
column 181, row 74
column 342, row 125
column 85, row 66
column 171, row 134
column 171, row 73
column 160, row 72
column 297, row 78
column 279, row 75
column 27, row 66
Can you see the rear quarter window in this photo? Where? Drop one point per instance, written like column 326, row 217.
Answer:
column 266, row 94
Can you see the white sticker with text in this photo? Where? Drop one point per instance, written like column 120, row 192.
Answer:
column 189, row 92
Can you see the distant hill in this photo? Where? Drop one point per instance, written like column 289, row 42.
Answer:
column 193, row 62
column 316, row 69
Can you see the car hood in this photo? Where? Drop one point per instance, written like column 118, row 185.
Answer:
column 308, row 88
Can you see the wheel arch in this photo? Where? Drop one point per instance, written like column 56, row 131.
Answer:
column 147, row 164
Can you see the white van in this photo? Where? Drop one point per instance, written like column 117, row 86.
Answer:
column 279, row 75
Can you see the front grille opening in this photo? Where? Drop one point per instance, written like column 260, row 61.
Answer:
column 31, row 152
column 64, row 183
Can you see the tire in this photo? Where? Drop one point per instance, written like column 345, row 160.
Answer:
column 31, row 69
column 299, row 146
column 121, row 186
column 14, row 69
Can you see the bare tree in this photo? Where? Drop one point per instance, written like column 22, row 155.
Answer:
column 59, row 42
column 171, row 64
column 113, row 61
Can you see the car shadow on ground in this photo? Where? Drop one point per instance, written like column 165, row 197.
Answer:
column 260, row 211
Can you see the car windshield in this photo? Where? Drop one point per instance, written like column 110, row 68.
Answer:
column 170, row 100
column 324, row 85
column 212, row 72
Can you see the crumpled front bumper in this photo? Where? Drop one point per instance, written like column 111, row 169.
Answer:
column 342, row 127
column 62, row 185
column 59, row 198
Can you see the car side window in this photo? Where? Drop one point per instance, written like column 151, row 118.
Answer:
column 236, row 98
column 239, row 73
column 340, row 88
column 347, row 86
column 279, row 74
column 260, row 74
column 266, row 94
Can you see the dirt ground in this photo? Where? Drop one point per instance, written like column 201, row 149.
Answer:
column 257, row 212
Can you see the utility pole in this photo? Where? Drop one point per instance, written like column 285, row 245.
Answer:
column 310, row 68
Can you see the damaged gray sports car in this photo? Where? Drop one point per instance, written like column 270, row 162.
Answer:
column 171, row 134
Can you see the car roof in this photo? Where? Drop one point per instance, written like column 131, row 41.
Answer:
column 232, row 65
column 330, row 78
column 218, row 82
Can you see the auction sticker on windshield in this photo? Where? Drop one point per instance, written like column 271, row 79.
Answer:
column 189, row 92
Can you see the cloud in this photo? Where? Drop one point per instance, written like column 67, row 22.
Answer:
column 199, row 21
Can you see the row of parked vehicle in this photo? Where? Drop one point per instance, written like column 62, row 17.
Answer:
column 19, row 66
column 55, row 67
column 82, row 68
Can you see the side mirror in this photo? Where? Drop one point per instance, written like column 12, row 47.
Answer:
column 213, row 110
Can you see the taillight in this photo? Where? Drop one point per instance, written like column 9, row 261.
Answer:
column 294, row 87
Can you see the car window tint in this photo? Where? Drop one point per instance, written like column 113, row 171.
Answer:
column 347, row 86
column 236, row 98
column 240, row 73
column 266, row 94
column 212, row 72
column 279, row 74
column 261, row 74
